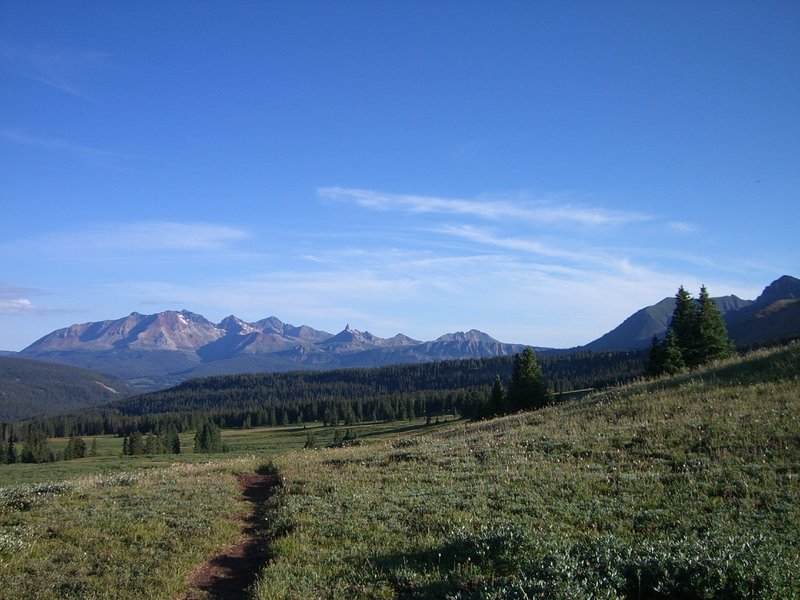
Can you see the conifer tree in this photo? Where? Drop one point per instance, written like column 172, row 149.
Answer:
column 497, row 399
column 208, row 438
column 36, row 448
column 655, row 358
column 696, row 335
column 76, row 448
column 11, row 452
column 527, row 389
column 135, row 444
column 684, row 326
column 672, row 357
column 712, row 335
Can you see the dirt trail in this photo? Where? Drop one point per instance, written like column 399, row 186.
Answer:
column 228, row 575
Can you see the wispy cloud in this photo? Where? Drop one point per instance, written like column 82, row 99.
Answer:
column 681, row 227
column 60, row 68
column 134, row 240
column 16, row 301
column 531, row 211
column 58, row 145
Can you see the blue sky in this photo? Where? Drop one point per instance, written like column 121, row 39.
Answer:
column 535, row 170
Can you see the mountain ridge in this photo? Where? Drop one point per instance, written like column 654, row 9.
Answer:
column 156, row 351
column 773, row 317
column 162, row 349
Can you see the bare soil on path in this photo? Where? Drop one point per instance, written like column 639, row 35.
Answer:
column 230, row 574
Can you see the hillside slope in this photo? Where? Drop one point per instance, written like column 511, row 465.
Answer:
column 30, row 388
column 686, row 487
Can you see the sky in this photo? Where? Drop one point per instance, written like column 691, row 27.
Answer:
column 537, row 170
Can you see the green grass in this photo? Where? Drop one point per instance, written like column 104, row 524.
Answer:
column 687, row 487
column 135, row 527
column 262, row 441
column 126, row 535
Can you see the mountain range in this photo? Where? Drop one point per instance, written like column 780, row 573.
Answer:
column 159, row 350
column 156, row 351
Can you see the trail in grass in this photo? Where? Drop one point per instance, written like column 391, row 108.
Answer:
column 229, row 574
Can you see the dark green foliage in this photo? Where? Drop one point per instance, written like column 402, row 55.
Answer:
column 29, row 388
column 684, row 326
column 10, row 454
column 346, row 396
column 665, row 357
column 527, row 389
column 135, row 444
column 712, row 335
column 208, row 439
column 36, row 448
column 162, row 442
column 696, row 335
column 76, row 448
column 497, row 399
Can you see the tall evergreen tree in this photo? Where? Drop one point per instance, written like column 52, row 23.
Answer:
column 135, row 444
column 712, row 335
column 671, row 355
column 76, row 448
column 684, row 326
column 497, row 399
column 208, row 438
column 11, row 452
column 655, row 358
column 36, row 448
column 527, row 389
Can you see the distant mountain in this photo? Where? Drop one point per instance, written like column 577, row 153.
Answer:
column 161, row 350
column 157, row 351
column 773, row 317
column 30, row 388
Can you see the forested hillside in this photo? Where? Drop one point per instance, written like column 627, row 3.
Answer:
column 343, row 395
column 29, row 388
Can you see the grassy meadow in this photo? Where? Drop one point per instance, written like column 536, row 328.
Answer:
column 685, row 487
column 682, row 487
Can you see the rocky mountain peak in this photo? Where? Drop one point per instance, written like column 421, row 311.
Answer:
column 783, row 288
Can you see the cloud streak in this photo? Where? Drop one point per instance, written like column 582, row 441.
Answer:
column 58, row 68
column 145, row 237
column 541, row 211
column 58, row 145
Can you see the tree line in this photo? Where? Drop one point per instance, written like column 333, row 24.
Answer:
column 336, row 398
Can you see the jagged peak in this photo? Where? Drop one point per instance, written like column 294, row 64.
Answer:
column 784, row 288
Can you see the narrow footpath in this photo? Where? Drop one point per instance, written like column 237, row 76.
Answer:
column 229, row 574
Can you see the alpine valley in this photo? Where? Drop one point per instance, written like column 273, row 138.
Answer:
column 156, row 351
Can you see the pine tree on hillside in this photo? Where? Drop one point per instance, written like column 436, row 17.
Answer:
column 527, row 389
column 497, row 399
column 696, row 335
column 684, row 326
column 672, row 355
column 712, row 335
